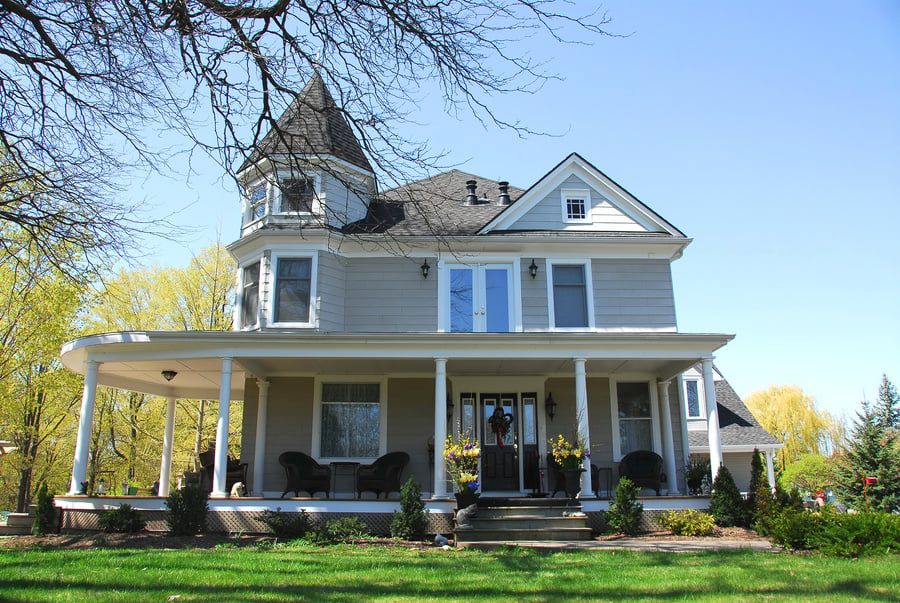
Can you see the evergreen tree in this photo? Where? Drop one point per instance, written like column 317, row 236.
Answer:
column 725, row 503
column 873, row 451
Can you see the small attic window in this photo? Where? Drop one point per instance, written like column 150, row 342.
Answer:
column 258, row 202
column 576, row 206
column 297, row 194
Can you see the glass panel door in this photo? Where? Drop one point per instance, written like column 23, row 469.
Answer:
column 499, row 452
column 462, row 300
column 480, row 298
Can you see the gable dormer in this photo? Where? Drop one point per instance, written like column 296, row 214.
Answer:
column 309, row 170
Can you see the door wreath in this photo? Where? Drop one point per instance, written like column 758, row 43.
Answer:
column 500, row 423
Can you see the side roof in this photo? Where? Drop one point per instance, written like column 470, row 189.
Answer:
column 312, row 125
column 737, row 426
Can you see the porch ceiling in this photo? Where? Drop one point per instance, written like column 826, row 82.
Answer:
column 135, row 361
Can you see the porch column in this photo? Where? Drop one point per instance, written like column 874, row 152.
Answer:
column 259, row 451
column 668, row 439
column 165, row 467
column 440, row 426
column 770, row 467
column 581, row 410
column 85, row 426
column 221, row 459
column 712, row 419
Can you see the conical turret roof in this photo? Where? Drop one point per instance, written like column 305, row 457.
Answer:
column 312, row 125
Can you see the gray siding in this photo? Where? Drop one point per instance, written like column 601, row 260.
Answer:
column 534, row 296
column 563, row 390
column 342, row 205
column 676, row 411
column 547, row 213
column 390, row 295
column 331, row 292
column 289, row 424
column 410, row 421
column 633, row 294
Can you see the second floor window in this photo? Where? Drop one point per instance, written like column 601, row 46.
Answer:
column 250, row 297
column 292, row 290
column 692, row 398
column 258, row 202
column 570, row 307
column 297, row 195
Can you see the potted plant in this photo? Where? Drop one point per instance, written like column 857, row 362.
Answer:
column 571, row 456
column 461, row 458
column 695, row 471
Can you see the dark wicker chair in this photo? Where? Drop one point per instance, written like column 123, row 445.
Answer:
column 644, row 468
column 382, row 476
column 304, row 474
column 235, row 471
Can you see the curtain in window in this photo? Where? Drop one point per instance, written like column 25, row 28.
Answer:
column 350, row 420
column 635, row 417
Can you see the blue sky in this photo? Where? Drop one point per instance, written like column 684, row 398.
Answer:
column 769, row 132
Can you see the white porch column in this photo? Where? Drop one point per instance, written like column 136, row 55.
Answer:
column 770, row 467
column 712, row 419
column 259, row 450
column 440, row 426
column 221, row 462
column 85, row 426
column 668, row 439
column 165, row 466
column 581, row 410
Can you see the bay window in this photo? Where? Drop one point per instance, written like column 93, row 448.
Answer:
column 293, row 284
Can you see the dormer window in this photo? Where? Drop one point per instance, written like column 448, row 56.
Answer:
column 576, row 206
column 297, row 194
column 258, row 202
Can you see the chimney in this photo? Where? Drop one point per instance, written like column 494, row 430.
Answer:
column 471, row 196
column 503, row 199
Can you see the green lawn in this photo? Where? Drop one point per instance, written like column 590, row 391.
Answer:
column 349, row 573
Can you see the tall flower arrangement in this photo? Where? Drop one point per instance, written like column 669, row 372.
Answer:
column 569, row 455
column 461, row 458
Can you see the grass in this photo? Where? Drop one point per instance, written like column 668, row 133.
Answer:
column 346, row 573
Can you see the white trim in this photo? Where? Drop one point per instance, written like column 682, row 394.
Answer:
column 239, row 302
column 299, row 254
column 701, row 397
column 588, row 291
column 479, row 299
column 655, row 435
column 582, row 194
column 382, row 381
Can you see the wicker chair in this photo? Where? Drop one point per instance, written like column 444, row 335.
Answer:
column 235, row 471
column 304, row 474
column 381, row 476
column 644, row 468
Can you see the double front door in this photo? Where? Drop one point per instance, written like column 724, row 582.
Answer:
column 509, row 455
column 480, row 298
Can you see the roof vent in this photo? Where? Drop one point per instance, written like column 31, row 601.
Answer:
column 471, row 195
column 503, row 199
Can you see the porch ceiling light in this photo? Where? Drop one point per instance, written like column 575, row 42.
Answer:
column 550, row 406
column 169, row 375
column 425, row 268
column 533, row 269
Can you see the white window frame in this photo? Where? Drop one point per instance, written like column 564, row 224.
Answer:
column 655, row 435
column 251, row 190
column 588, row 290
column 259, row 298
column 313, row 288
column 583, row 195
column 701, row 397
column 314, row 203
column 382, row 382
column 514, row 283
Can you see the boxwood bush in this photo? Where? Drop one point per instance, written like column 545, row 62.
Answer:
column 688, row 522
column 122, row 519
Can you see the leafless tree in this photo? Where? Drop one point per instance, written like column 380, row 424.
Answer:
column 87, row 85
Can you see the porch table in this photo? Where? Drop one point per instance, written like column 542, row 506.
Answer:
column 341, row 473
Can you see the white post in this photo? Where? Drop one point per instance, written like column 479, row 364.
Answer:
column 668, row 439
column 259, row 450
column 770, row 467
column 440, row 426
column 581, row 410
column 85, row 426
column 165, row 467
column 712, row 421
column 221, row 458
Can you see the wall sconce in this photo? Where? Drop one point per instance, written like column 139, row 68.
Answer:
column 425, row 268
column 169, row 375
column 550, row 406
column 533, row 268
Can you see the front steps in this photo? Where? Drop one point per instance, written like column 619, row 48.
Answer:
column 17, row 524
column 511, row 520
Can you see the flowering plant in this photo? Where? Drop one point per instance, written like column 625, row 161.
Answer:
column 461, row 457
column 569, row 455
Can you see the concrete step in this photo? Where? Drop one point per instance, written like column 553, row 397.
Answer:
column 17, row 524
column 466, row 535
column 528, row 523
column 527, row 511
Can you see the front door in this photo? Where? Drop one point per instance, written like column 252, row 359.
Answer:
column 499, row 451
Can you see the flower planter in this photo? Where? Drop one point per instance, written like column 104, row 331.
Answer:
column 464, row 499
column 573, row 481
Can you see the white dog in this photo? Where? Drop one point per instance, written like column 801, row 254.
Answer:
column 238, row 490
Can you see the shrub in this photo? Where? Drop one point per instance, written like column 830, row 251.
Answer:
column 188, row 508
column 625, row 511
column 45, row 512
column 124, row 519
column 688, row 522
column 855, row 535
column 796, row 529
column 725, row 503
column 286, row 526
column 346, row 530
column 410, row 522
